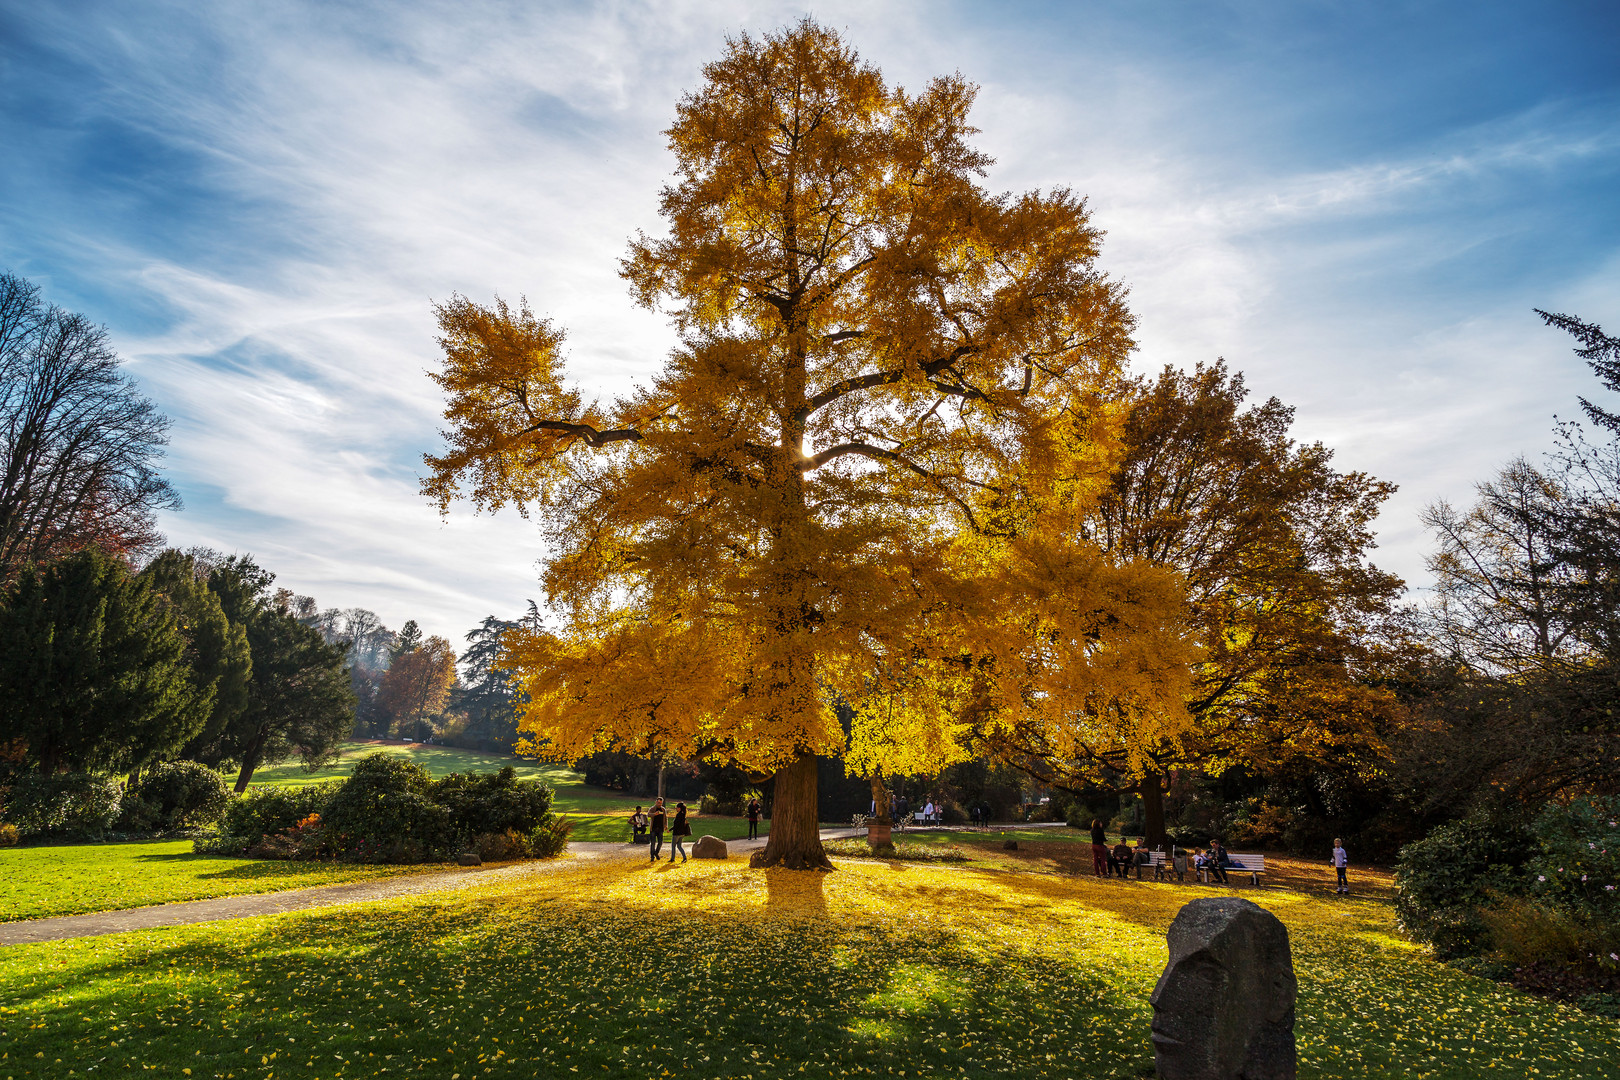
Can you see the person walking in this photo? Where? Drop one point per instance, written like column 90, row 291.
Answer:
column 678, row 833
column 1218, row 862
column 1099, row 849
column 753, row 818
column 657, row 830
column 1341, row 860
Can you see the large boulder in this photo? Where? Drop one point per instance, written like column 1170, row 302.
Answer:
column 709, row 847
column 1224, row 1007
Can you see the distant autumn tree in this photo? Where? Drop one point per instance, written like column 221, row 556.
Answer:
column 79, row 445
column 857, row 476
column 417, row 684
column 1270, row 543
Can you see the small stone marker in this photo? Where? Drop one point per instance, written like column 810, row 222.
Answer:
column 1224, row 1007
column 1009, row 845
column 709, row 847
column 469, row 858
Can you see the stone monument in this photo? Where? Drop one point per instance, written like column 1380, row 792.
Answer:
column 1224, row 1007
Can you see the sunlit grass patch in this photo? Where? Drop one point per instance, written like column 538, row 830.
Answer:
column 68, row 879
column 714, row 970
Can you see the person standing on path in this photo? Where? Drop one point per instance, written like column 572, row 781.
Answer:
column 678, row 831
column 753, row 818
column 657, row 831
column 1340, row 861
column 1099, row 849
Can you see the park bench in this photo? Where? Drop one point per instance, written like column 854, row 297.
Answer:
column 1164, row 864
column 1253, row 865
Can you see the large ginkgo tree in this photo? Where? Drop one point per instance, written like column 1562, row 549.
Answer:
column 862, row 475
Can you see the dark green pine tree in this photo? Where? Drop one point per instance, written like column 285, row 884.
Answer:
column 485, row 693
column 217, row 652
column 93, row 668
column 300, row 703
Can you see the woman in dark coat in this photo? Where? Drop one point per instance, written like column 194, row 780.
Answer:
column 1099, row 849
column 678, row 833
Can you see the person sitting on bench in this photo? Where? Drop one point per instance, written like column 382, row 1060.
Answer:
column 638, row 826
column 1121, row 859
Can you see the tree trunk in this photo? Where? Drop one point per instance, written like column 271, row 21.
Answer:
column 794, row 841
column 880, row 799
column 250, row 761
column 1153, row 810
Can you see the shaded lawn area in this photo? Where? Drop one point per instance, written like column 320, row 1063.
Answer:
column 709, row 969
column 39, row 882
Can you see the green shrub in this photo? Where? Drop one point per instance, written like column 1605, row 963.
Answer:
column 176, row 795
column 1578, row 866
column 550, row 839
column 63, row 804
column 270, row 811
column 1600, row 1004
column 385, row 812
column 492, row 804
column 1444, row 880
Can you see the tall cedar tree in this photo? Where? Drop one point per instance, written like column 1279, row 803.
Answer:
column 299, row 700
column 93, row 673
column 811, row 500
column 79, row 445
column 1270, row 543
column 217, row 650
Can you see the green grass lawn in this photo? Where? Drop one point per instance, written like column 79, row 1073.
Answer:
column 713, row 970
column 69, row 879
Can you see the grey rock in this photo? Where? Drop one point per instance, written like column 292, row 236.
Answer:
column 709, row 847
column 1009, row 845
column 469, row 858
column 1224, row 1007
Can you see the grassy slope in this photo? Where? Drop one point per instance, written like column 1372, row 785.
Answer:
column 38, row 882
column 710, row 970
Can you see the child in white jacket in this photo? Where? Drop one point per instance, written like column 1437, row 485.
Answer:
column 1340, row 861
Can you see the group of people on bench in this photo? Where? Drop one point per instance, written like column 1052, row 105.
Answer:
column 1121, row 858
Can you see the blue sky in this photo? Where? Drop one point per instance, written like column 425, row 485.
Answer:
column 1356, row 204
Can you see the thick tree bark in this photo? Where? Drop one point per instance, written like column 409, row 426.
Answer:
column 794, row 841
column 1153, row 810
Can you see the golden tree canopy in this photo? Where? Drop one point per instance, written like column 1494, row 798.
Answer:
column 862, row 472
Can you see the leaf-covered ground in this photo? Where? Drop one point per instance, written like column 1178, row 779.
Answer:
column 713, row 970
column 70, row 879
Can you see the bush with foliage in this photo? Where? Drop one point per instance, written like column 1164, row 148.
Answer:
column 390, row 810
column 175, row 795
column 265, row 811
column 492, row 803
column 1444, row 880
column 385, row 812
column 63, row 804
column 9, row 836
column 1578, row 866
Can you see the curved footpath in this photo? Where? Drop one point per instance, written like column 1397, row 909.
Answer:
column 241, row 907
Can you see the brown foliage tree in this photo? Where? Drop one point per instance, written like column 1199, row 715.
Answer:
column 417, row 684
column 1270, row 543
